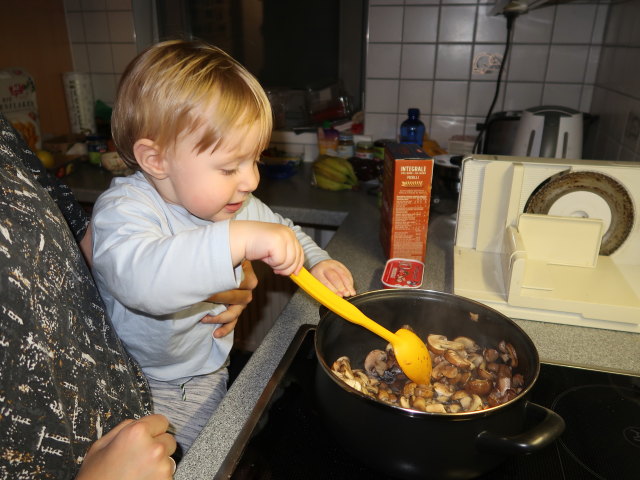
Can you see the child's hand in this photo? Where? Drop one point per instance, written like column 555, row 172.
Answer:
column 335, row 276
column 274, row 244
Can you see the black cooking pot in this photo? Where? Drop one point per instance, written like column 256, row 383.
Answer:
column 409, row 444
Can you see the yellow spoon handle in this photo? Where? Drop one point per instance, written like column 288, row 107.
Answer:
column 338, row 305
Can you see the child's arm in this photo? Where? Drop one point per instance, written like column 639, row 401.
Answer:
column 335, row 276
column 274, row 244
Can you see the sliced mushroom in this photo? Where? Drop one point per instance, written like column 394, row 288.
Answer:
column 455, row 357
column 476, row 403
column 409, row 388
column 512, row 355
column 340, row 364
column 439, row 343
column 485, row 374
column 503, row 384
column 479, row 387
column 493, row 366
column 477, row 359
column 443, row 391
column 510, row 394
column 494, row 399
column 517, row 380
column 353, row 383
column 465, row 403
column 424, row 391
column 419, row 403
column 462, row 379
column 384, row 395
column 459, row 395
column 444, row 369
column 469, row 344
column 376, row 363
column 435, row 408
column 490, row 355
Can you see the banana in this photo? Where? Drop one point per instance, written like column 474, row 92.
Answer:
column 328, row 184
column 342, row 165
column 330, row 173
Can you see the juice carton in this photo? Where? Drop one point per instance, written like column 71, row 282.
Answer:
column 406, row 197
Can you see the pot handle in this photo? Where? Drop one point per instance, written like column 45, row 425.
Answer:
column 549, row 428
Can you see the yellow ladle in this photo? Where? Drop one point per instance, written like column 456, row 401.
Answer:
column 411, row 352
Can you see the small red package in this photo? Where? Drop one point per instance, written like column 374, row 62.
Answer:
column 402, row 273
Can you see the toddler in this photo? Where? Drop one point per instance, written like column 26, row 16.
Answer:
column 192, row 122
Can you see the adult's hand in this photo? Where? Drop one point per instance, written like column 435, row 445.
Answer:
column 236, row 301
column 133, row 450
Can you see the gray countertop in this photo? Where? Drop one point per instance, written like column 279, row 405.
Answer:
column 356, row 244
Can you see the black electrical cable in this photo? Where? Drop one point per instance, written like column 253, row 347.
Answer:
column 511, row 17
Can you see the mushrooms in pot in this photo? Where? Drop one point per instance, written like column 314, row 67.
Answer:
column 465, row 378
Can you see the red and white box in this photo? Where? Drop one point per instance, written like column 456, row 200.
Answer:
column 402, row 273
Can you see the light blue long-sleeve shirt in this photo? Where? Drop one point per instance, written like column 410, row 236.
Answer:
column 154, row 263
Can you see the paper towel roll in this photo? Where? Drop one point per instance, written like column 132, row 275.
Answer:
column 80, row 103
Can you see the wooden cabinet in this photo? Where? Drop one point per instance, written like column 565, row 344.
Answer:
column 33, row 35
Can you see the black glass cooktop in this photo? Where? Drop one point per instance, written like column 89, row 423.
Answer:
column 286, row 438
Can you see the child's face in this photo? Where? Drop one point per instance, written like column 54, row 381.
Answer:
column 212, row 185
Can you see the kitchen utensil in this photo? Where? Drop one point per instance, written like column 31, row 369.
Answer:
column 499, row 133
column 549, row 131
column 409, row 444
column 411, row 352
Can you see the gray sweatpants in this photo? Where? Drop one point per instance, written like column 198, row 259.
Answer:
column 189, row 406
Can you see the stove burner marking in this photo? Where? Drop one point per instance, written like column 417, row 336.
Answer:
column 632, row 435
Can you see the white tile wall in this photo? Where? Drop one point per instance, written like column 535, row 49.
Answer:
column 450, row 52
column 616, row 92
column 103, row 41
column 421, row 53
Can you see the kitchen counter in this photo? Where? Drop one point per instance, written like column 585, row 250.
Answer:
column 356, row 244
column 356, row 217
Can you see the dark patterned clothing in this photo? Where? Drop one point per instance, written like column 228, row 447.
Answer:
column 65, row 378
column 76, row 217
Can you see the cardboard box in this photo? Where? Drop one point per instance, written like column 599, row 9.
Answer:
column 406, row 197
column 19, row 105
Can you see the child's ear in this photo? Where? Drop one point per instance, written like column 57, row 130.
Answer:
column 150, row 158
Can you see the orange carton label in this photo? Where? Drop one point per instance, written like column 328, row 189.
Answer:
column 406, row 197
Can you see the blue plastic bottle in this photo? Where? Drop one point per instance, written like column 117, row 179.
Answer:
column 412, row 129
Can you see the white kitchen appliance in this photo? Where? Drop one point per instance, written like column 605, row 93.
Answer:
column 552, row 240
column 549, row 131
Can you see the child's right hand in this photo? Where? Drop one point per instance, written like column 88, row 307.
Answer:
column 274, row 244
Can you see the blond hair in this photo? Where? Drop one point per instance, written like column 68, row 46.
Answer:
column 170, row 87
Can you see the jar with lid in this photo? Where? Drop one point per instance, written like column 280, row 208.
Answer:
column 364, row 149
column 346, row 148
column 96, row 146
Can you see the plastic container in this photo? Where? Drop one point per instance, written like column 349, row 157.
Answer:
column 346, row 148
column 412, row 129
column 327, row 140
column 402, row 273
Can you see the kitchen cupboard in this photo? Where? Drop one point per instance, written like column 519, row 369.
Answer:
column 26, row 26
